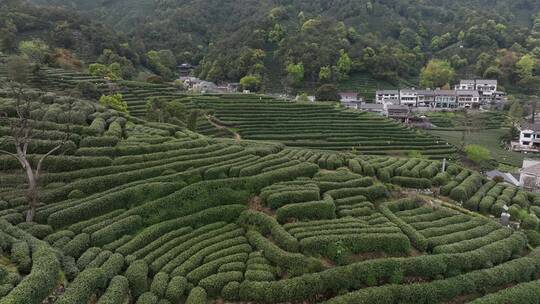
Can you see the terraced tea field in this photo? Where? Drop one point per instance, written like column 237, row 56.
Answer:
column 318, row 126
column 138, row 212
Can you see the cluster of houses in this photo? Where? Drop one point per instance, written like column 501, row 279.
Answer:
column 198, row 85
column 467, row 94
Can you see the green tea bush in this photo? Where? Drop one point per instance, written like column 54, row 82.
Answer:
column 213, row 284
column 159, row 284
column 103, row 141
column 441, row 179
column 268, row 225
column 280, row 199
column 116, row 230
column 84, row 285
column 77, row 246
column 197, row 296
column 117, row 292
column 412, row 182
column 316, row 210
column 113, row 266
column 147, row 298
column 20, row 256
column 176, row 289
column 137, row 275
column 295, row 263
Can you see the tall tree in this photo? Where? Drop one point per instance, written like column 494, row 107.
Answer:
column 22, row 134
column 436, row 74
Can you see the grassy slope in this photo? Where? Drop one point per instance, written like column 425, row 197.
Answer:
column 486, row 138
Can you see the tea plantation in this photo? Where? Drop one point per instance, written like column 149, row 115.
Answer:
column 318, row 126
column 139, row 212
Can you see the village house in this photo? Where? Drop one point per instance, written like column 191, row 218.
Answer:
column 387, row 97
column 426, row 98
column 398, row 112
column 468, row 99
column 467, row 94
column 466, row 85
column 372, row 108
column 350, row 100
column 529, row 138
column 408, row 97
column 445, row 99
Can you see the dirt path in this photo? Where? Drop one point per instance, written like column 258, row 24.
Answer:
column 236, row 135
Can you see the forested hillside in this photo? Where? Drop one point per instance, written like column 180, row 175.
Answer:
column 315, row 42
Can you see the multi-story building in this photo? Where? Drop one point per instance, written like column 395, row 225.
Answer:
column 445, row 99
column 529, row 138
column 387, row 97
column 468, row 99
column 350, row 100
column 426, row 98
column 467, row 94
column 467, row 85
column 408, row 97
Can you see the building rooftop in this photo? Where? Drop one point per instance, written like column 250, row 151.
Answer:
column 531, row 126
column 486, row 81
column 387, row 92
column 474, row 93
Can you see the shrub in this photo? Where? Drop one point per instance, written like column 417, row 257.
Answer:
column 317, row 210
column 102, row 141
column 176, row 289
column 43, row 278
column 197, row 296
column 417, row 239
column 279, row 199
column 76, row 194
column 137, row 275
column 77, row 245
column 159, row 284
column 115, row 102
column 441, row 179
column 147, row 298
column 84, row 285
column 486, row 204
column 230, row 291
column 20, row 255
column 293, row 262
column 372, row 193
column 412, row 182
column 268, row 225
column 215, row 283
column 531, row 222
column 117, row 292
column 87, row 257
column 116, row 230
column 113, row 265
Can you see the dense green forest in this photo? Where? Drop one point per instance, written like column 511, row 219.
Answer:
column 296, row 43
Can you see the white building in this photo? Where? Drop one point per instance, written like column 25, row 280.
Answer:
column 529, row 138
column 466, row 85
column 486, row 87
column 387, row 97
column 468, row 99
column 408, row 97
column 351, row 100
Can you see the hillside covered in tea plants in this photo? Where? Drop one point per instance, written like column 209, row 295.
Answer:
column 264, row 201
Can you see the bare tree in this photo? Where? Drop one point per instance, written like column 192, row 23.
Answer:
column 22, row 134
